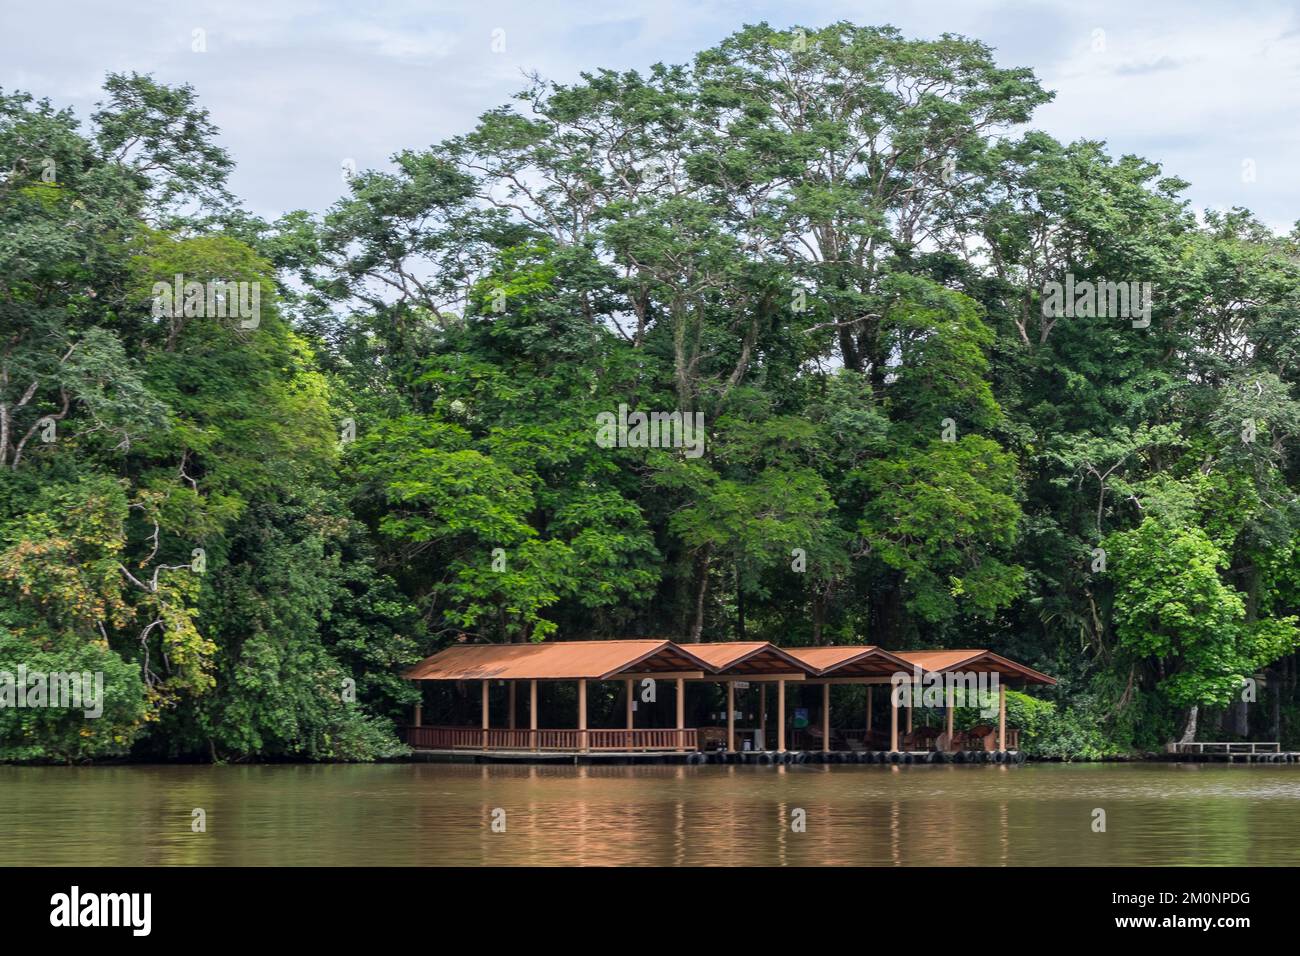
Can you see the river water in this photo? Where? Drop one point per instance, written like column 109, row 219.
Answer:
column 414, row 814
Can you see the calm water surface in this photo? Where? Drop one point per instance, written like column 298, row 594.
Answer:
column 412, row 814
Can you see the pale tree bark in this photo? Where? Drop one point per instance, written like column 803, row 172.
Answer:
column 1189, row 731
column 701, row 589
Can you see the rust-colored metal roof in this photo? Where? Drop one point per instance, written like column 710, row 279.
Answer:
column 749, row 657
column 978, row 659
column 555, row 660
column 601, row 660
column 850, row 660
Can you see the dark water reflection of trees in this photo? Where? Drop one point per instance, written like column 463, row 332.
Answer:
column 402, row 814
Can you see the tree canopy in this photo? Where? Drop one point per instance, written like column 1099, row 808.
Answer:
column 830, row 247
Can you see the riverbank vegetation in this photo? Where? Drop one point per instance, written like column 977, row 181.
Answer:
column 834, row 244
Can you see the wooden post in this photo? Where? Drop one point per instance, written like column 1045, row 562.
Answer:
column 630, row 722
column 681, row 711
column 951, row 698
column 826, row 716
column 780, row 716
column 485, row 714
column 762, row 716
column 911, row 705
column 1002, row 717
column 419, row 715
column 869, row 708
column 532, row 711
column 893, row 722
column 731, row 715
column 512, row 705
column 582, row 715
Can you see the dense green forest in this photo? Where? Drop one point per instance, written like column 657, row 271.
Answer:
column 833, row 245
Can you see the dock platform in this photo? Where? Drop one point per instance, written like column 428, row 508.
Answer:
column 1231, row 751
column 753, row 757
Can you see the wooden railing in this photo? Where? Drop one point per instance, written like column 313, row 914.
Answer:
column 645, row 739
column 603, row 739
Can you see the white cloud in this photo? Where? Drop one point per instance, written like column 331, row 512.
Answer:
column 297, row 86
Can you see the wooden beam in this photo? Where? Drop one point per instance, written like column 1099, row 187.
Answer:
column 731, row 715
column 532, row 711
column 950, row 709
column 826, row 717
column 753, row 678
column 681, row 707
column 762, row 715
column 419, row 715
column 666, row 675
column 485, row 713
column 780, row 716
column 1002, row 717
column 893, row 724
column 512, row 704
column 628, row 685
column 853, row 680
column 870, row 691
column 582, row 715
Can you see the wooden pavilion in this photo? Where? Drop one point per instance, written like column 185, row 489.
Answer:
column 733, row 664
column 580, row 661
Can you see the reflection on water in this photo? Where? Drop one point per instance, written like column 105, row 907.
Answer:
column 411, row 814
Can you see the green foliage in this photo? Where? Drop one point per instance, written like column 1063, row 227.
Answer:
column 941, row 515
column 1172, row 605
column 829, row 246
column 63, row 734
column 1067, row 734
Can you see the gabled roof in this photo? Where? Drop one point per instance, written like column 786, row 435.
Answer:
column 850, row 660
column 749, row 657
column 975, row 659
column 603, row 660
column 555, row 660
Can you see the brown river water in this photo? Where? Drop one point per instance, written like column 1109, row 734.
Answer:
column 422, row 814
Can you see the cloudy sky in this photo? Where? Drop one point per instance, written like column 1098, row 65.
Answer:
column 298, row 86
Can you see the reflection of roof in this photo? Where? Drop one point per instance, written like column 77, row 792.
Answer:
column 750, row 657
column 556, row 660
column 850, row 660
column 603, row 660
column 975, row 659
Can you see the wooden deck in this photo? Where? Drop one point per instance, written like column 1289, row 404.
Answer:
column 697, row 757
column 1231, row 751
column 918, row 741
column 523, row 743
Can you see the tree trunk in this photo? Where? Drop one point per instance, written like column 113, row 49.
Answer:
column 1240, row 719
column 701, row 588
column 740, row 607
column 1275, row 692
column 1189, row 732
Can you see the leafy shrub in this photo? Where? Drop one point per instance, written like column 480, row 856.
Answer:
column 62, row 733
